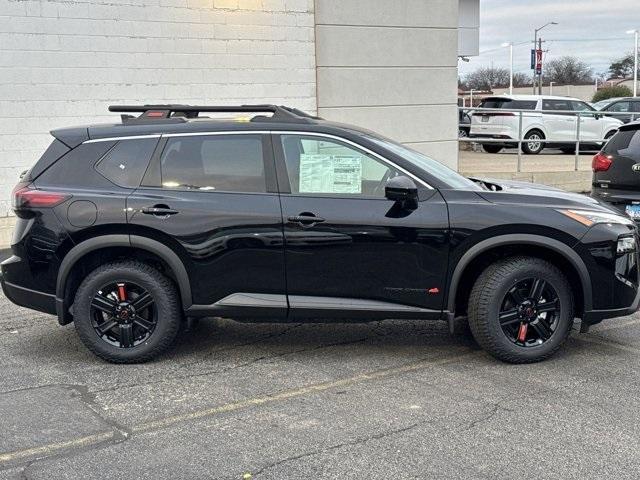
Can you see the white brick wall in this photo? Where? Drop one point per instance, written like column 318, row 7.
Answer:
column 62, row 62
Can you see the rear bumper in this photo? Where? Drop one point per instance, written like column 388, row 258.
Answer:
column 25, row 297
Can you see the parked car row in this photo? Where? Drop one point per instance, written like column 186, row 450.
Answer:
column 541, row 127
column 625, row 109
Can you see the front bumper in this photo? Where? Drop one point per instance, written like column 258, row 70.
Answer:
column 596, row 316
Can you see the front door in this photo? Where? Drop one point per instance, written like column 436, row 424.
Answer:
column 591, row 125
column 212, row 198
column 347, row 248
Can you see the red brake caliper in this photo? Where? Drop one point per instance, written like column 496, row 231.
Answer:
column 122, row 292
column 522, row 332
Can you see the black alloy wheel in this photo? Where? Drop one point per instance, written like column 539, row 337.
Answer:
column 529, row 312
column 123, row 314
column 521, row 309
column 127, row 312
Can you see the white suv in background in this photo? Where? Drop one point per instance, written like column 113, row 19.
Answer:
column 537, row 125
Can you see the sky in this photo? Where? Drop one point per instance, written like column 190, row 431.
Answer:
column 593, row 30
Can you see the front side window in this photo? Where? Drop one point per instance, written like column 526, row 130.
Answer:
column 127, row 161
column 581, row 107
column 318, row 165
column 218, row 163
column 619, row 107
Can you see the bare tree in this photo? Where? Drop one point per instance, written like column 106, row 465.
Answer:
column 487, row 78
column 568, row 71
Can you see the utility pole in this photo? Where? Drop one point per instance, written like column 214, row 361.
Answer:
column 635, row 62
column 535, row 49
column 539, row 72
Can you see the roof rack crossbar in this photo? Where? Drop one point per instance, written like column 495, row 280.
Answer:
column 193, row 110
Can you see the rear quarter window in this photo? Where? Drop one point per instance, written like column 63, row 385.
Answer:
column 625, row 143
column 127, row 161
column 509, row 104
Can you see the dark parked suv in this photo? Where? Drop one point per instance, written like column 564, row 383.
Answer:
column 616, row 171
column 128, row 229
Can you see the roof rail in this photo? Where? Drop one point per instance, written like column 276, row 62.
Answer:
column 182, row 112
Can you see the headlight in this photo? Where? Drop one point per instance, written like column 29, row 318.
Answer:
column 626, row 245
column 591, row 217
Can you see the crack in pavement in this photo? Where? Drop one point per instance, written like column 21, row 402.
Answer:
column 349, row 443
column 230, row 368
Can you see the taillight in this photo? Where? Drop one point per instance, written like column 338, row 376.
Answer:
column 601, row 162
column 26, row 196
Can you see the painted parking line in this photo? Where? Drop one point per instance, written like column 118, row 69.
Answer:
column 297, row 392
column 53, row 448
column 91, row 440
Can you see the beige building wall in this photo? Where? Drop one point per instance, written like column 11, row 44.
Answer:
column 391, row 68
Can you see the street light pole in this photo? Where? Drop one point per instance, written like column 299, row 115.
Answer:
column 635, row 62
column 510, row 45
column 535, row 47
column 551, row 88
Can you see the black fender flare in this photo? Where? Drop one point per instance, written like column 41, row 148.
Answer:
column 521, row 239
column 120, row 240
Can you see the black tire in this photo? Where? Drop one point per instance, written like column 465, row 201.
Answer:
column 463, row 132
column 491, row 291
column 532, row 143
column 165, row 307
column 492, row 148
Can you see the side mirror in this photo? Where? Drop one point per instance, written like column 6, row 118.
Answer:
column 598, row 116
column 403, row 190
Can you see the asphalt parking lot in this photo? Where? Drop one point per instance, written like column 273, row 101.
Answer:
column 391, row 399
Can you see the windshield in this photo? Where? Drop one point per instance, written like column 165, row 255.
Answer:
column 429, row 165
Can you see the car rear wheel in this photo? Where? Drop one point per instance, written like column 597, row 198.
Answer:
column 492, row 148
column 521, row 310
column 532, row 143
column 127, row 312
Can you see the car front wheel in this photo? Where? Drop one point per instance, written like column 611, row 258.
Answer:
column 127, row 312
column 521, row 310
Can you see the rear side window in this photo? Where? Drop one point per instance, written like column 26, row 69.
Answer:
column 127, row 161
column 550, row 104
column 508, row 104
column 226, row 163
column 625, row 143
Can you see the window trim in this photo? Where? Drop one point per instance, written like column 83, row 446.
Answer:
column 269, row 133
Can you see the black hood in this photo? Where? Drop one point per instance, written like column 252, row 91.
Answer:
column 513, row 191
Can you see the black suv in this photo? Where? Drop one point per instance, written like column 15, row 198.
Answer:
column 128, row 229
column 616, row 171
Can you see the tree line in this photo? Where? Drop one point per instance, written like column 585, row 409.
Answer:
column 566, row 70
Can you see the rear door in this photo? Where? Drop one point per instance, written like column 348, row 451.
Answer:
column 561, row 125
column 348, row 249
column 213, row 199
